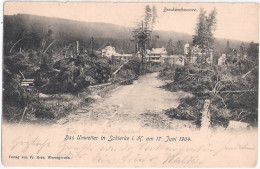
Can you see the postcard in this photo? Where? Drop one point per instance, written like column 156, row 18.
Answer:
column 119, row 84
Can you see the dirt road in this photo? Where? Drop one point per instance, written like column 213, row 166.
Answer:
column 141, row 103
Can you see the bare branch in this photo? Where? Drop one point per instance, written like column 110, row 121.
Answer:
column 23, row 114
column 15, row 45
column 22, row 74
column 49, row 46
column 248, row 72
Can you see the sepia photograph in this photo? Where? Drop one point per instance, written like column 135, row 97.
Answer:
column 120, row 84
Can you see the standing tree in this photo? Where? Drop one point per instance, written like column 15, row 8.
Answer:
column 200, row 37
column 149, row 21
column 148, row 17
column 91, row 43
column 253, row 50
column 204, row 32
column 170, row 47
column 141, row 36
column 242, row 49
column 154, row 18
column 143, row 33
column 228, row 50
column 179, row 48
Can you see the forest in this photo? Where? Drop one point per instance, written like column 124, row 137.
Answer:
column 33, row 28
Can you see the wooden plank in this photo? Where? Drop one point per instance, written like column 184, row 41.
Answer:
column 28, row 80
column 25, row 84
column 120, row 68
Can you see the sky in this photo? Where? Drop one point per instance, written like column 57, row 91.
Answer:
column 237, row 21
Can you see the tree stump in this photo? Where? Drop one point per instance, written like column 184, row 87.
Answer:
column 205, row 118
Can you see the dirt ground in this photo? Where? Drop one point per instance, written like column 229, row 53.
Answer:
column 139, row 104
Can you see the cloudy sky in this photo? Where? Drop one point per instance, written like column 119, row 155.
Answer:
column 234, row 21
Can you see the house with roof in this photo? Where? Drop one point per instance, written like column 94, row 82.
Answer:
column 196, row 52
column 156, row 55
column 123, row 56
column 110, row 51
column 186, row 49
column 222, row 59
column 178, row 60
column 160, row 55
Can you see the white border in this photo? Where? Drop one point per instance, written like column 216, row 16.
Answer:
column 131, row 1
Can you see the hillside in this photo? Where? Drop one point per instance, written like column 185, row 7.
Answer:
column 66, row 31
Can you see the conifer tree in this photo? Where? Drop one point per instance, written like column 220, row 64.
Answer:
column 203, row 37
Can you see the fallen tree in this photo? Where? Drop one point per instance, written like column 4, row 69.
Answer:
column 232, row 90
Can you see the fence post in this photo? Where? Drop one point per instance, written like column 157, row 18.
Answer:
column 205, row 118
